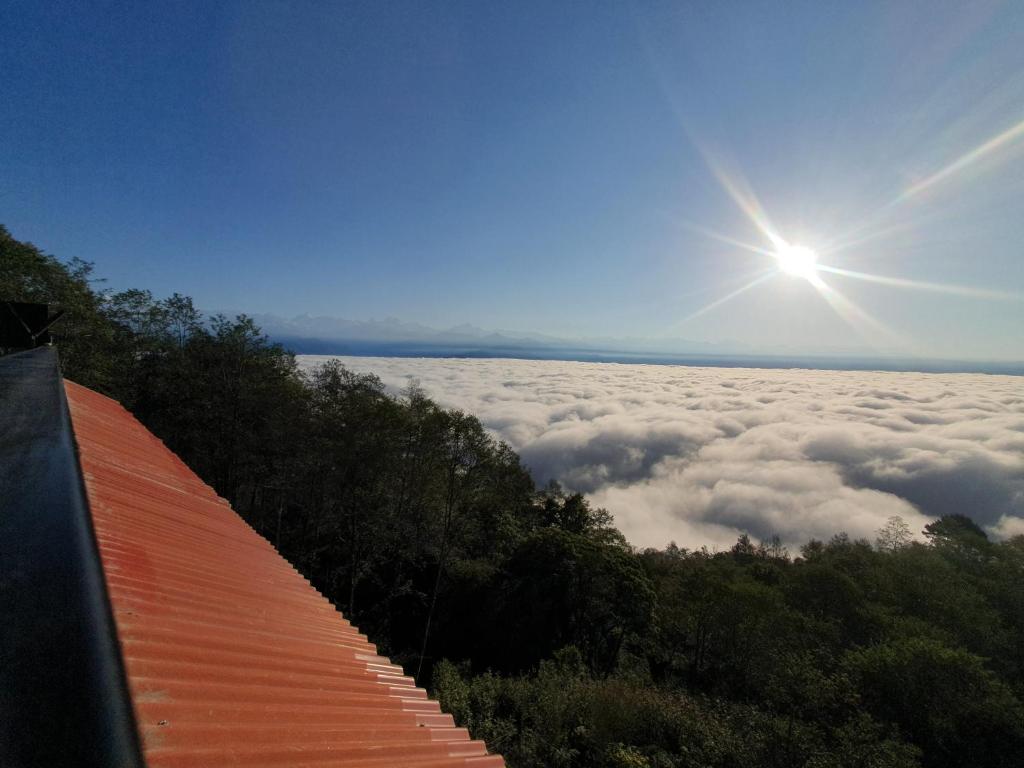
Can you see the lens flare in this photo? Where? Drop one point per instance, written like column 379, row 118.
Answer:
column 800, row 261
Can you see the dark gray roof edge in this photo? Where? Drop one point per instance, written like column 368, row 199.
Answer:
column 64, row 696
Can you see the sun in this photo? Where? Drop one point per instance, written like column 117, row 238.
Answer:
column 797, row 260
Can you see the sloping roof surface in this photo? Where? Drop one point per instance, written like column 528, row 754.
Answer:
column 232, row 657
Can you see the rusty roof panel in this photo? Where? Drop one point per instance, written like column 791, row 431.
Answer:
column 233, row 658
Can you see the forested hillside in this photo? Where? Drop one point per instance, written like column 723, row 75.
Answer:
column 531, row 617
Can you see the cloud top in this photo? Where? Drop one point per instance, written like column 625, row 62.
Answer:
column 700, row 455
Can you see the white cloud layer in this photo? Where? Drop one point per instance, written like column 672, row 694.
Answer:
column 700, row 455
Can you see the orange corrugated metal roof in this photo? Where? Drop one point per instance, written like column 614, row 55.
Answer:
column 232, row 657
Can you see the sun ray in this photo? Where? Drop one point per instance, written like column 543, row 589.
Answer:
column 737, row 187
column 877, row 218
column 869, row 327
column 964, row 161
column 919, row 285
column 850, row 240
column 765, row 275
column 733, row 280
column 710, row 233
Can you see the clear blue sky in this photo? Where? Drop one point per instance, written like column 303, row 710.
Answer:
column 531, row 166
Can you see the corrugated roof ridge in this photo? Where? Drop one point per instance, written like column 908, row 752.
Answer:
column 224, row 639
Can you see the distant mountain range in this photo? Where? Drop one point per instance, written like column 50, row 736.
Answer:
column 334, row 334
column 388, row 330
column 322, row 335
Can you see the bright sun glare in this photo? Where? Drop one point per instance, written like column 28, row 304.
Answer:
column 797, row 260
column 801, row 262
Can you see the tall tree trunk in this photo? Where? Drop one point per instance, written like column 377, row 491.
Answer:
column 442, row 556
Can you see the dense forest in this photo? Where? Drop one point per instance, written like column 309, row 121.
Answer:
column 523, row 608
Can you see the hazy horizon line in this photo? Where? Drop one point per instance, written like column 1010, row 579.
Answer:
column 763, row 360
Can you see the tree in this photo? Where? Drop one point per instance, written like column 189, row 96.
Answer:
column 943, row 698
column 183, row 319
column 84, row 334
column 744, row 550
column 894, row 535
column 559, row 589
column 957, row 531
column 464, row 448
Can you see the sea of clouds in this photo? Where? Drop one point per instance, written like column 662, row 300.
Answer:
column 700, row 455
